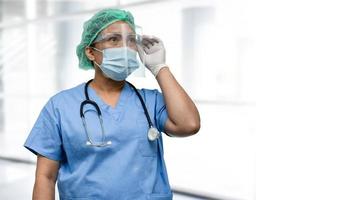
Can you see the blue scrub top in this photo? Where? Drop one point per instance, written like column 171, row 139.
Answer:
column 132, row 167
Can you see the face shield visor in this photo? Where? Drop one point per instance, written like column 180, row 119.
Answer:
column 118, row 44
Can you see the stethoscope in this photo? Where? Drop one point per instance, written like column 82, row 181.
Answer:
column 152, row 133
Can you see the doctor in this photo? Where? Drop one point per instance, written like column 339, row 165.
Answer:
column 101, row 139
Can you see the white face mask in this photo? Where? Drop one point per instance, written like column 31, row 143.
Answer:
column 118, row 63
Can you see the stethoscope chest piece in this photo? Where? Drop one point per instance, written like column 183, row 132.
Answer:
column 153, row 134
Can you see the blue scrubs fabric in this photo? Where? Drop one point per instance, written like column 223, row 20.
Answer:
column 132, row 167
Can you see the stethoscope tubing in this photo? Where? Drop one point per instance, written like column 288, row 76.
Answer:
column 97, row 108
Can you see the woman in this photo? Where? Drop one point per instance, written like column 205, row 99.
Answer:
column 101, row 139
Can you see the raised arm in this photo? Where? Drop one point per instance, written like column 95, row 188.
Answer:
column 183, row 116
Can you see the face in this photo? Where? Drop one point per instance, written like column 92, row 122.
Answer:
column 118, row 34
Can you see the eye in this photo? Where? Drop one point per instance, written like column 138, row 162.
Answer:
column 114, row 38
column 132, row 39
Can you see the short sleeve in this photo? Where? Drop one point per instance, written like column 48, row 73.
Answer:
column 161, row 115
column 45, row 138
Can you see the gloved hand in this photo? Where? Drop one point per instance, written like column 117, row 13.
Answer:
column 152, row 53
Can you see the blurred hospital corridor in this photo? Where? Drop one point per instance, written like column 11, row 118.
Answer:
column 207, row 43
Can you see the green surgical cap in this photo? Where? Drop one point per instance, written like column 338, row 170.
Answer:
column 94, row 26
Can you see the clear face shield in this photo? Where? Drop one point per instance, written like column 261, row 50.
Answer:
column 118, row 43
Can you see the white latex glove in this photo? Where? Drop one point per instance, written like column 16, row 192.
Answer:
column 152, row 53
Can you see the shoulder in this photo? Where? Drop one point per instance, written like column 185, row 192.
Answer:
column 152, row 97
column 149, row 93
column 68, row 95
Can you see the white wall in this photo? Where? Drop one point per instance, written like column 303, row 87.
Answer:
column 304, row 58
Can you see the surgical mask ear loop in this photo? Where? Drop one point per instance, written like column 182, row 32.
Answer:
column 100, row 52
column 96, row 64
